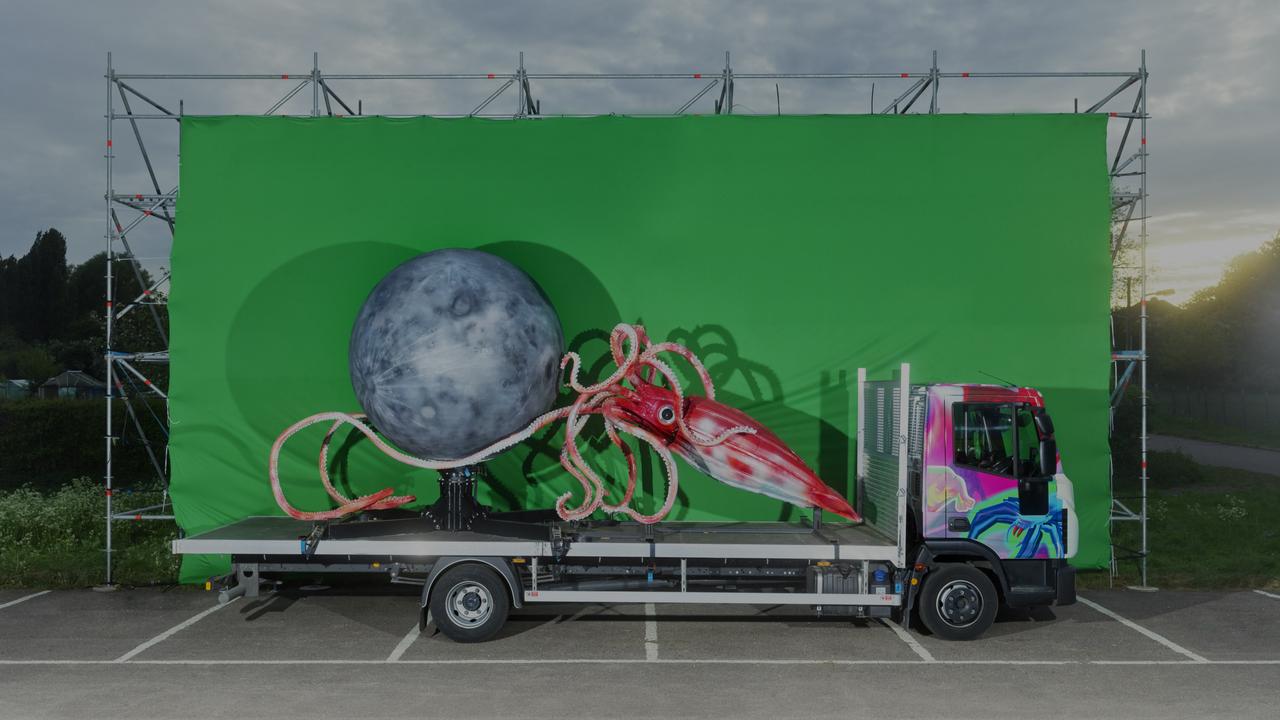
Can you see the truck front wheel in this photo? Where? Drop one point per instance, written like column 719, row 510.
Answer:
column 958, row 602
column 469, row 603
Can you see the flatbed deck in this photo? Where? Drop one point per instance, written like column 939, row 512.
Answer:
column 282, row 536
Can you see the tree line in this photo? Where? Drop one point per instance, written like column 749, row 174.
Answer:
column 53, row 314
column 1225, row 337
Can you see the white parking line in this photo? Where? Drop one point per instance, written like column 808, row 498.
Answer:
column 911, row 642
column 636, row 661
column 404, row 644
column 24, row 598
column 1184, row 662
column 1260, row 592
column 172, row 631
column 1149, row 633
column 650, row 633
column 510, row 661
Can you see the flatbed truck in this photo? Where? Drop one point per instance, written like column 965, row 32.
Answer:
column 960, row 486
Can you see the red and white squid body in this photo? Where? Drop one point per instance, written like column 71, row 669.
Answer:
column 759, row 463
column 720, row 441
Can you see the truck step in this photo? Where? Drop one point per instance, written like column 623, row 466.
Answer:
column 1028, row 595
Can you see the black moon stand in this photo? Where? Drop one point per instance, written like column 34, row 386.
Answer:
column 457, row 508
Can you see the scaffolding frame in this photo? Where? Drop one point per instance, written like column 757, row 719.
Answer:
column 156, row 204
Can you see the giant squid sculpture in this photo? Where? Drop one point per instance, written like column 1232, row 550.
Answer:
column 642, row 398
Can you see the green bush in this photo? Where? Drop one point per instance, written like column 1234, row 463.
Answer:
column 1173, row 469
column 57, row 538
column 44, row 442
column 1166, row 470
column 1125, row 441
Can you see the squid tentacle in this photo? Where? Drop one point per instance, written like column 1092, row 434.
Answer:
column 588, row 489
column 576, row 465
column 673, row 479
column 389, row 503
column 708, row 386
column 367, row 501
column 634, row 376
column 574, row 361
column 573, row 461
column 345, row 508
column 627, row 453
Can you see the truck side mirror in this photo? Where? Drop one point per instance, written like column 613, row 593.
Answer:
column 1044, row 423
column 1048, row 456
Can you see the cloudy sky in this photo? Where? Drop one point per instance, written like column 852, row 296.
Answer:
column 1214, row 97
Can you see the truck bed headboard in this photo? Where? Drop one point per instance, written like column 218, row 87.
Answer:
column 884, row 437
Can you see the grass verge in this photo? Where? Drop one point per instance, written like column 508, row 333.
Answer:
column 56, row 538
column 1210, row 528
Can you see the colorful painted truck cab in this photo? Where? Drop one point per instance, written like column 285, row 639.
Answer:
column 983, row 483
column 992, row 472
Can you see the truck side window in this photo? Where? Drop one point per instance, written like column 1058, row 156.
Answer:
column 984, row 436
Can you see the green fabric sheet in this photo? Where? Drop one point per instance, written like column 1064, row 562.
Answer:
column 785, row 251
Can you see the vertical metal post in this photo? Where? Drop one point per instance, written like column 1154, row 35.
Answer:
column 728, row 84
column 1142, row 355
column 110, row 310
column 860, row 462
column 933, row 72
column 904, row 457
column 315, row 84
column 520, row 99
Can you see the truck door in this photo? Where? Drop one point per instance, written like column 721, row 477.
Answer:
column 984, row 463
column 998, row 494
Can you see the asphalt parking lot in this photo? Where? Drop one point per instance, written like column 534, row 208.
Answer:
column 356, row 652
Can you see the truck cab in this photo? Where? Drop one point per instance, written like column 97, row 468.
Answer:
column 989, row 513
column 992, row 473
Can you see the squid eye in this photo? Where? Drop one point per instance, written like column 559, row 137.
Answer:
column 667, row 415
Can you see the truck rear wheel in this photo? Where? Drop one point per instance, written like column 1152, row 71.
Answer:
column 958, row 602
column 469, row 603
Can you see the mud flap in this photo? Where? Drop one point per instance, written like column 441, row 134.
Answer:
column 1066, row 585
column 915, row 580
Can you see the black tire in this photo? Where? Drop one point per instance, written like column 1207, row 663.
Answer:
column 958, row 602
column 469, row 603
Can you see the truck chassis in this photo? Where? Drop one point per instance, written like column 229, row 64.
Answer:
column 829, row 566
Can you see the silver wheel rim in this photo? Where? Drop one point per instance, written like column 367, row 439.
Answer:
column 469, row 604
column 959, row 604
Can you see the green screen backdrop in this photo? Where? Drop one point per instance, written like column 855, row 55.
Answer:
column 785, row 251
